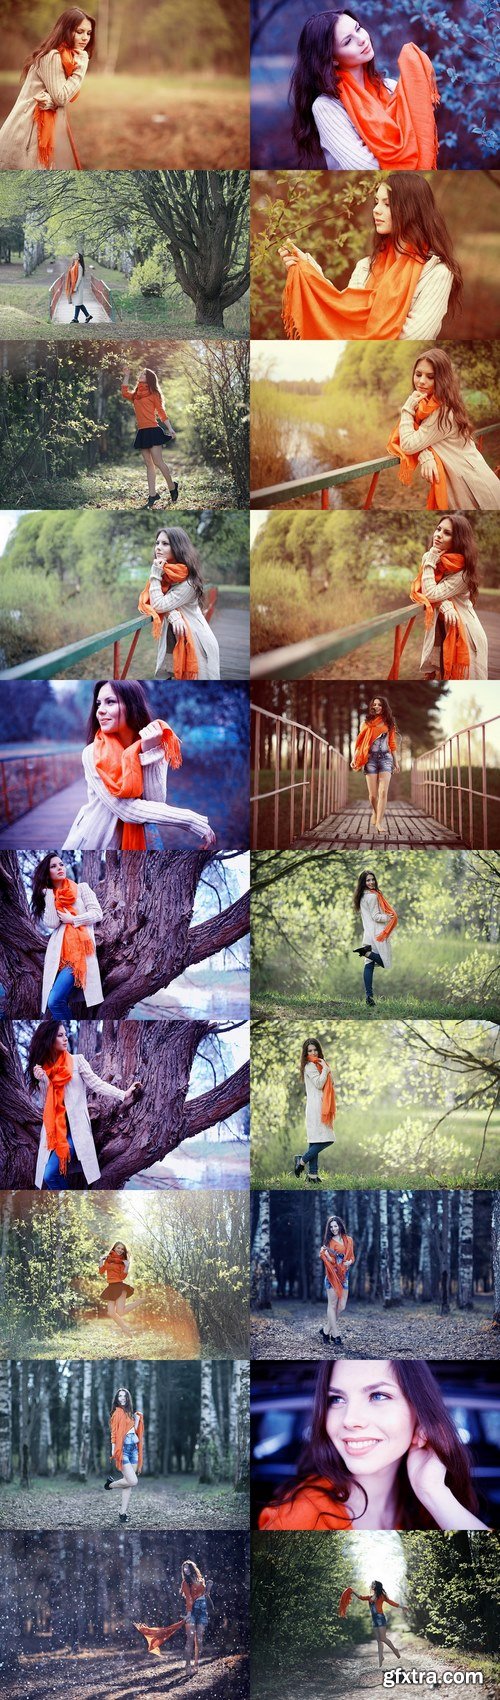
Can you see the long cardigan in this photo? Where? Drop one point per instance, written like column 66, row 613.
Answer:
column 314, row 1081
column 19, row 134
column 97, row 824
column 75, row 1104
column 430, row 301
column 454, row 590
column 470, row 481
column 88, row 911
column 183, row 596
column 374, row 921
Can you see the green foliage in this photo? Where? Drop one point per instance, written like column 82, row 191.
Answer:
column 297, row 1581
column 453, row 1589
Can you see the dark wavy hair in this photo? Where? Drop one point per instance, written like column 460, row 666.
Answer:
column 128, row 1406
column 194, row 1575
column 417, row 223
column 41, row 883
column 446, row 391
column 386, row 711
column 341, row 1226
column 303, row 1054
column 361, row 886
column 61, row 35
column 41, row 1048
column 314, row 73
column 133, row 697
column 319, row 1456
column 463, row 542
column 82, row 263
column 183, row 550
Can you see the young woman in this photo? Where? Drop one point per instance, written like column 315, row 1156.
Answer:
column 173, row 596
column 69, row 911
column 403, row 289
column 379, row 920
column 337, row 1256
column 360, row 120
column 126, row 762
column 455, row 644
column 435, row 434
column 320, row 1108
column 382, row 1453
column 127, row 1443
column 115, row 1265
column 194, row 1593
column 74, row 288
column 376, row 751
column 37, row 136
column 149, row 408
column 66, row 1140
column 376, row 1599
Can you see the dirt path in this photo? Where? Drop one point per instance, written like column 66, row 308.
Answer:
column 291, row 1330
column 357, row 1672
column 123, row 1674
column 87, row 1506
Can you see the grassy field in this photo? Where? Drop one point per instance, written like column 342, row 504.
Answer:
column 376, row 1146
column 123, row 122
column 24, row 312
column 174, row 1502
column 443, row 983
column 125, row 486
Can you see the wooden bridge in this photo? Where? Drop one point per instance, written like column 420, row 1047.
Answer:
column 96, row 296
column 320, row 483
column 226, row 609
column 300, row 792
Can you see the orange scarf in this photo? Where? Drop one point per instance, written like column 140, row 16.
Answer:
column 456, row 654
column 114, row 1266
column 156, row 1637
column 314, row 308
column 336, row 1271
column 328, row 1104
column 121, row 772
column 185, row 657
column 388, row 910
column 120, row 1423
column 345, row 1601
column 77, row 944
column 54, row 1115
column 45, row 119
column 71, row 279
column 192, row 1591
column 438, row 491
column 370, row 730
column 399, row 128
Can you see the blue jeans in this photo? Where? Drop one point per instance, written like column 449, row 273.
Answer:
column 53, row 1180
column 57, row 1001
column 311, row 1155
column 372, row 961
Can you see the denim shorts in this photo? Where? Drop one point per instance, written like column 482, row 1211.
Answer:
column 379, row 763
column 197, row 1618
column 130, row 1451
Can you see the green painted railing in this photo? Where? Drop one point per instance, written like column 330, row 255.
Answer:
column 298, row 660
column 58, row 660
column 274, row 494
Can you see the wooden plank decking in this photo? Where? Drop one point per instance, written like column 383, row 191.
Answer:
column 231, row 625
column 408, row 828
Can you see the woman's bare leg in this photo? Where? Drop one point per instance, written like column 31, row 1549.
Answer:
column 372, row 781
column 157, row 454
column 125, row 1483
column 388, row 1643
column 150, row 469
column 384, row 780
column 380, row 1646
column 189, row 1648
column 198, row 1645
column 332, row 1313
column 115, row 1316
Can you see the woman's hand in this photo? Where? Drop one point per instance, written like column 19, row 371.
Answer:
column 427, row 464
column 151, row 737
column 396, row 767
column 38, row 1072
column 175, row 620
column 449, row 614
column 425, row 1470
column 290, row 254
column 131, row 1092
column 66, row 916
column 351, row 764
column 126, row 374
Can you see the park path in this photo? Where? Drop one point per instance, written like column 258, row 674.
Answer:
column 406, row 828
column 123, row 1673
column 291, row 1330
column 64, row 311
column 355, row 1672
column 165, row 1505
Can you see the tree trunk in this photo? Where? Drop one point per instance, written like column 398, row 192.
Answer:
column 261, row 1287
column 24, row 1425
column 74, row 1419
column 45, row 1457
column 139, row 1402
column 22, row 948
column 444, row 1253
column 425, row 1265
column 397, row 1289
column 153, row 1421
column 317, row 1272
column 209, row 1447
column 385, row 1262
column 84, row 1452
column 465, row 1290
column 5, row 1422
column 360, row 1275
column 495, row 1249
column 239, row 1433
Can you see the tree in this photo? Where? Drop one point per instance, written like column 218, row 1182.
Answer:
column 261, row 1257
column 5, row 1422
column 204, row 215
column 496, row 1256
column 209, row 1440
column 465, row 1250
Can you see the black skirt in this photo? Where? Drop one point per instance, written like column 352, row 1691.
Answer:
column 148, row 436
column 115, row 1289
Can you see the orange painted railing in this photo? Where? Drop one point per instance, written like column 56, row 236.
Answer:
column 443, row 784
column 317, row 771
column 55, row 293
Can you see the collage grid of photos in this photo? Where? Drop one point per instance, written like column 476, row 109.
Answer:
column 249, row 849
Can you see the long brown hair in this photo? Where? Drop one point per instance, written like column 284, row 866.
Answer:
column 361, row 886
column 128, row 1406
column 183, row 550
column 463, row 542
column 61, row 35
column 386, row 710
column 319, row 1456
column 132, row 696
column 418, row 224
column 151, row 381
column 316, row 72
column 41, row 884
column 446, row 391
column 305, row 1048
column 42, row 1047
column 328, row 1234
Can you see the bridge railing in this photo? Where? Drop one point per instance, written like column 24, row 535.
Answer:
column 300, row 762
column 444, row 784
column 102, row 294
column 28, row 778
column 275, row 494
column 299, row 660
column 55, row 293
column 57, row 661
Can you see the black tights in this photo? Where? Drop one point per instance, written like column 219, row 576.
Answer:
column 373, row 961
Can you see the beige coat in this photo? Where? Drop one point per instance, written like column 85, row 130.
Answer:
column 449, row 594
column 88, row 911
column 98, row 822
column 182, row 596
column 314, row 1080
column 75, row 1104
column 374, row 922
column 471, row 482
column 19, row 136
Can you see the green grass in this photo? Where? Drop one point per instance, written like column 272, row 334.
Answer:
column 24, row 309
column 426, row 1008
column 123, row 486
column 446, row 980
column 367, row 1150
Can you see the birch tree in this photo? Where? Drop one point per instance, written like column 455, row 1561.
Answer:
column 465, row 1288
column 261, row 1287
column 5, row 1422
column 74, row 1420
column 84, row 1448
column 209, row 1443
column 495, row 1238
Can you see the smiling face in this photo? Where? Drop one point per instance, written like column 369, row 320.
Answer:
column 352, row 43
column 423, row 378
column 57, row 870
column 312, row 1052
column 443, row 535
column 110, row 713
column 368, row 1419
column 376, row 705
column 382, row 215
column 371, row 883
column 122, row 1395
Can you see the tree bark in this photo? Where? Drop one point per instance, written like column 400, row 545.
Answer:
column 495, row 1246
column 5, row 1422
column 84, row 1450
column 397, row 1290
column 74, row 1419
column 209, row 1445
column 261, row 1291
column 425, row 1266
column 385, row 1262
column 45, row 1458
column 465, row 1292
column 444, row 1253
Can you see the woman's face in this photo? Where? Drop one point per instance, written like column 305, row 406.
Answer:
column 110, row 712
column 368, row 1418
column 82, row 34
column 119, row 1248
column 371, row 883
column 163, row 545
column 122, row 1395
column 443, row 534
column 376, row 705
column 352, row 43
column 61, row 1040
column 57, row 870
column 423, row 378
column 312, row 1052
column 334, row 1226
column 382, row 215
